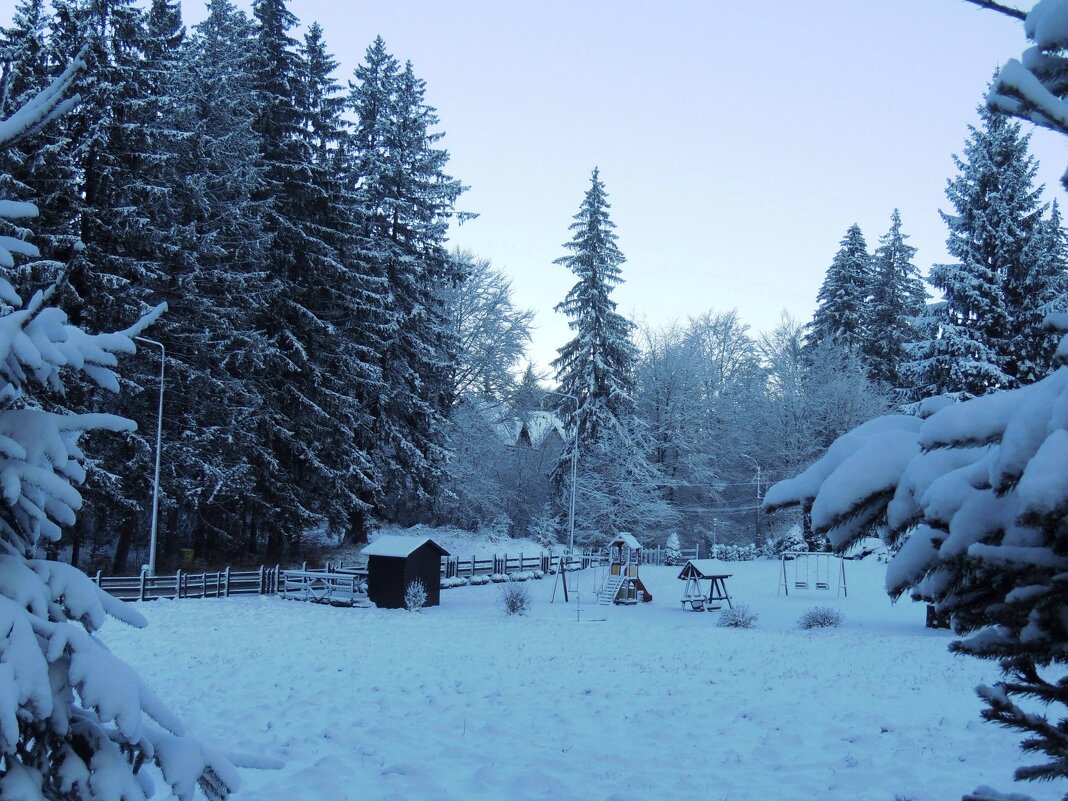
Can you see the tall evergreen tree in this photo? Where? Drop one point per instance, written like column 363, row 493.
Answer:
column 996, row 209
column 898, row 297
column 597, row 366
column 119, row 166
column 406, row 203
column 841, row 310
column 217, row 291
column 617, row 482
column 1040, row 291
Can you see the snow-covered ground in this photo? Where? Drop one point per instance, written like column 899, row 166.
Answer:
column 648, row 703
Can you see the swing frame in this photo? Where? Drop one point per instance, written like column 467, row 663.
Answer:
column 794, row 556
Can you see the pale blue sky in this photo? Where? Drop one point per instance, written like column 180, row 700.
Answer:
column 737, row 140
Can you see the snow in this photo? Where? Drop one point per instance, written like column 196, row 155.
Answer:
column 709, row 567
column 583, row 702
column 627, row 539
column 397, row 545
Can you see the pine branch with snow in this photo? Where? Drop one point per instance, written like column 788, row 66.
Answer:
column 75, row 721
column 976, row 494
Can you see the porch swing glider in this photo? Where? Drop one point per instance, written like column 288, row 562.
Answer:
column 811, row 570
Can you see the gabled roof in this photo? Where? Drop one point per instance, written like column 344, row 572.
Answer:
column 704, row 568
column 539, row 425
column 398, row 546
column 626, row 539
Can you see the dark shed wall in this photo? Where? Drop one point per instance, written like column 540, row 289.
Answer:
column 389, row 576
column 385, row 581
column 425, row 564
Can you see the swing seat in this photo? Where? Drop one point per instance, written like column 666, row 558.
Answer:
column 822, row 585
column 801, row 585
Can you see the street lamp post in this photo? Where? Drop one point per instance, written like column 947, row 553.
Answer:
column 159, row 442
column 574, row 473
column 756, row 509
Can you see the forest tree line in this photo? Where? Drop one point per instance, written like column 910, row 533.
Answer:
column 331, row 364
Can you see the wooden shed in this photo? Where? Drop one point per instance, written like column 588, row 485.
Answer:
column 394, row 562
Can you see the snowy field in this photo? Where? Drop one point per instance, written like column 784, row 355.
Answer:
column 644, row 703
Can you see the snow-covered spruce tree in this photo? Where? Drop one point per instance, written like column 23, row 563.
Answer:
column 318, row 474
column 406, row 202
column 996, row 210
column 841, row 304
column 898, row 296
column 117, row 205
column 76, row 723
column 976, row 496
column 1042, row 290
column 616, row 481
column 672, row 550
column 216, row 291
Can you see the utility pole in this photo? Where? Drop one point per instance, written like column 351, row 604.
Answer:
column 159, row 441
column 756, row 509
column 574, row 472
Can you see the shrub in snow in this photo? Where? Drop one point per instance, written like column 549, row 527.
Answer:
column 415, row 596
column 976, row 496
column 734, row 553
column 544, row 528
column 499, row 578
column 76, row 722
column 672, row 550
column 453, row 581
column 820, row 617
column 740, row 617
column 478, row 581
column 516, row 599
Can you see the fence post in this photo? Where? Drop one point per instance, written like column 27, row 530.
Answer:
column 277, row 577
column 144, row 575
column 261, row 580
column 178, row 583
column 227, row 581
column 98, row 578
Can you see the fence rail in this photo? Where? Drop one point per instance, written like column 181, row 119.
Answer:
column 221, row 584
column 269, row 580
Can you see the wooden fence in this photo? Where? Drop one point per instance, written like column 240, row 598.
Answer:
column 221, row 584
column 267, row 580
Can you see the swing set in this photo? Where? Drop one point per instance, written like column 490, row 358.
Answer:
column 812, row 570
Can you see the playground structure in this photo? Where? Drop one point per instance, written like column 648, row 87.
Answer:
column 811, row 570
column 622, row 584
column 694, row 595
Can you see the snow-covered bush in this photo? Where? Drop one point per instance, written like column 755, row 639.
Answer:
column 672, row 550
column 976, row 496
column 544, row 527
column 478, row 581
column 516, row 599
column 820, row 617
column 454, row 581
column 415, row 596
column 734, row 553
column 792, row 540
column 499, row 578
column 740, row 617
column 76, row 722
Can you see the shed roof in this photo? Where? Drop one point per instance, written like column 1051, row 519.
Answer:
column 626, row 539
column 704, row 568
column 396, row 545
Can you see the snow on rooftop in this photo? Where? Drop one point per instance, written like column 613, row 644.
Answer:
column 708, row 567
column 628, row 540
column 397, row 545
